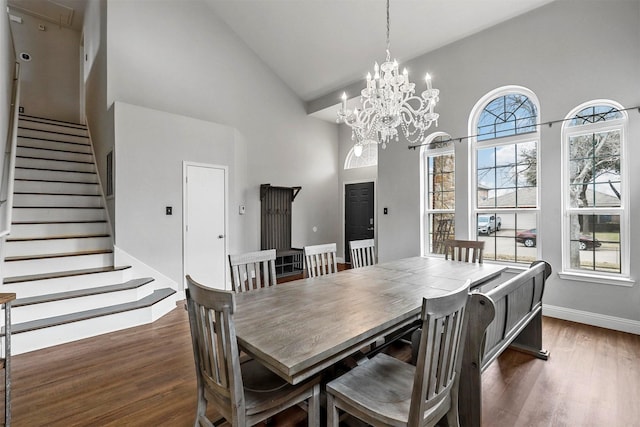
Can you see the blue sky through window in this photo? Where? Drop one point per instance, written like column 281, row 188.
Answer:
column 507, row 115
column 505, row 169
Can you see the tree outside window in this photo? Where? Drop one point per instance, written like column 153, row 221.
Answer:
column 594, row 189
column 438, row 171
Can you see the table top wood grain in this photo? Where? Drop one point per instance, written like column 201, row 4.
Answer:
column 299, row 328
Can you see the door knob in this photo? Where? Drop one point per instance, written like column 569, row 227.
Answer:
column 221, row 236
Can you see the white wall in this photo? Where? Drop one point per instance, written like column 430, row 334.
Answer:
column 178, row 58
column 150, row 147
column 98, row 112
column 351, row 176
column 567, row 52
column 50, row 81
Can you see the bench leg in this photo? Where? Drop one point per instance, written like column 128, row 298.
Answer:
column 470, row 395
column 529, row 341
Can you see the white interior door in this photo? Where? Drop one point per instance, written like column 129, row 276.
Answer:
column 205, row 224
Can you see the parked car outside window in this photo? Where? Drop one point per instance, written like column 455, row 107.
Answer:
column 487, row 224
column 528, row 238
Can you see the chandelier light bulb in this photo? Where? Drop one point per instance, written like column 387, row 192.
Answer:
column 389, row 105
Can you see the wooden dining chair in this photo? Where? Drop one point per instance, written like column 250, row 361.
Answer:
column 321, row 259
column 464, row 250
column 459, row 250
column 243, row 394
column 363, row 253
column 388, row 392
column 253, row 270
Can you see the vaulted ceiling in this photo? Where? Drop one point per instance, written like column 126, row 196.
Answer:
column 319, row 46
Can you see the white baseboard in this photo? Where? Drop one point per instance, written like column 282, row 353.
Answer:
column 593, row 319
column 140, row 268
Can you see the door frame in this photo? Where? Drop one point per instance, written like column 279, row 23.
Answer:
column 376, row 221
column 185, row 165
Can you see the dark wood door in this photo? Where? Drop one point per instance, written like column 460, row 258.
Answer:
column 358, row 214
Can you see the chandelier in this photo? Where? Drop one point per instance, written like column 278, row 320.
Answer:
column 389, row 102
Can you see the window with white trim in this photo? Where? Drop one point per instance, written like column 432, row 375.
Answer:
column 595, row 191
column 505, row 175
column 368, row 157
column 438, row 176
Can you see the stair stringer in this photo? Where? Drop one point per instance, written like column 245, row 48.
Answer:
column 122, row 257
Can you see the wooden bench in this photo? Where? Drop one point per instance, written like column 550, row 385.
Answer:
column 509, row 315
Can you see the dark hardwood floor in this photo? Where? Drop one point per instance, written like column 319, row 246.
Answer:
column 144, row 376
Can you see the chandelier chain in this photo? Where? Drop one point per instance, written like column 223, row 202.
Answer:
column 389, row 104
column 388, row 32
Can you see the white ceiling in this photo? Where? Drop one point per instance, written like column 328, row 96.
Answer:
column 66, row 13
column 319, row 46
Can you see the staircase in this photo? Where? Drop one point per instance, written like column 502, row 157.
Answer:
column 58, row 258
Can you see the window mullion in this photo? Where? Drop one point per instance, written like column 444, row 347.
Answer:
column 501, row 191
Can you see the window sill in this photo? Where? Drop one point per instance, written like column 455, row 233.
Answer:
column 601, row 280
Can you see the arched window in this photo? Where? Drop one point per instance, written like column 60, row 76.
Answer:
column 595, row 191
column 437, row 170
column 368, row 157
column 507, row 115
column 504, row 152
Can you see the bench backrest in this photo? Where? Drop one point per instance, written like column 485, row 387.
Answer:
column 516, row 301
column 510, row 311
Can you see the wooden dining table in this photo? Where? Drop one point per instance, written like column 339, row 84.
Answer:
column 297, row 329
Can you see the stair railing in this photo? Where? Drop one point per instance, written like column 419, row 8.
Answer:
column 8, row 170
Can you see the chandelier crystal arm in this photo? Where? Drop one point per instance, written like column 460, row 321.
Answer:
column 388, row 102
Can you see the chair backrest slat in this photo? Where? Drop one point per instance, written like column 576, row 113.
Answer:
column 321, row 259
column 464, row 250
column 253, row 270
column 444, row 322
column 362, row 253
column 215, row 346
